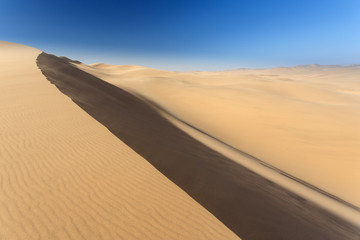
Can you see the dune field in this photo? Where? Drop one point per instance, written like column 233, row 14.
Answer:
column 127, row 152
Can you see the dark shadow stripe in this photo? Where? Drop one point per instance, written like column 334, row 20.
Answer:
column 250, row 205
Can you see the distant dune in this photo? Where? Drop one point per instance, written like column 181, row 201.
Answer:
column 129, row 152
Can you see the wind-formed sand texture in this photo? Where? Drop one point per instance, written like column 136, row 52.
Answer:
column 63, row 175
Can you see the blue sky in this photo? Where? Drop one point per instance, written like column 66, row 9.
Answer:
column 189, row 35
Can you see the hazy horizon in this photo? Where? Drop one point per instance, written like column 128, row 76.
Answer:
column 187, row 35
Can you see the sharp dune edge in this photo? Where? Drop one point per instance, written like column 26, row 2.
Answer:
column 250, row 205
column 65, row 176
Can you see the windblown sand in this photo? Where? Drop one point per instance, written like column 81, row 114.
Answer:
column 303, row 120
column 65, row 176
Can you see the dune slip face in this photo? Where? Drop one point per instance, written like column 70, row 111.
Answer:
column 250, row 205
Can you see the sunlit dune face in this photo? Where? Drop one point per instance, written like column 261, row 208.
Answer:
column 303, row 120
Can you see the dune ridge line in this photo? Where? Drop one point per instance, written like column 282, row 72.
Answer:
column 64, row 176
column 251, row 206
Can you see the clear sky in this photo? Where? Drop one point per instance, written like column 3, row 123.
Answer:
column 189, row 34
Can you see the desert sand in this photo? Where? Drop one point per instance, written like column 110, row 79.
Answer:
column 65, row 176
column 251, row 202
column 303, row 120
column 127, row 152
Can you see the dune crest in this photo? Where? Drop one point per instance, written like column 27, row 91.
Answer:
column 65, row 176
column 251, row 205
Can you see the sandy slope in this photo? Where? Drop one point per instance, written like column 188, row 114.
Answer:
column 303, row 120
column 254, row 205
column 65, row 176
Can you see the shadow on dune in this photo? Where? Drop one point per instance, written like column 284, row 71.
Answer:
column 248, row 204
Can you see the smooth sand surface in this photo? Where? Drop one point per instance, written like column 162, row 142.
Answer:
column 252, row 205
column 63, row 175
column 303, row 120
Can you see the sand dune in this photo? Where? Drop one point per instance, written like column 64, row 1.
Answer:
column 65, row 176
column 303, row 120
column 129, row 152
column 250, row 205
